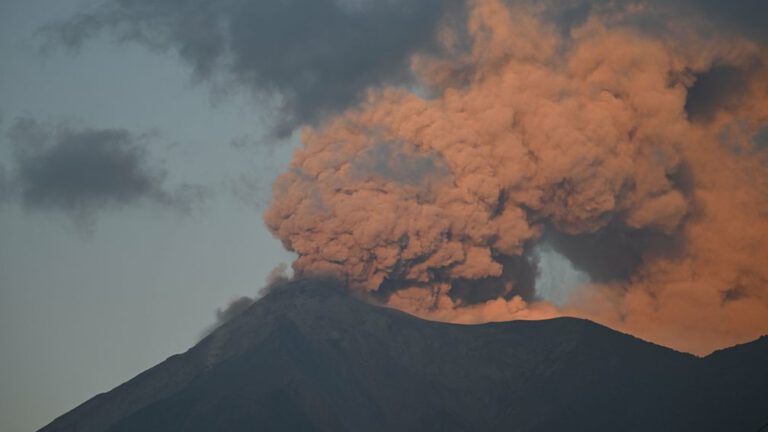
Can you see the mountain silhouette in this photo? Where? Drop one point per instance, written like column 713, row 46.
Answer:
column 309, row 357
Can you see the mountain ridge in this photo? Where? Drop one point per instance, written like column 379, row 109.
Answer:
column 309, row 357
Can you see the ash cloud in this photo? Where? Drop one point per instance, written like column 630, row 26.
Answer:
column 314, row 56
column 396, row 161
column 615, row 252
column 601, row 141
column 746, row 17
column 760, row 139
column 721, row 87
column 735, row 17
column 83, row 171
column 446, row 140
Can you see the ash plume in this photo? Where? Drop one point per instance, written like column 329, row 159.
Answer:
column 599, row 129
column 445, row 141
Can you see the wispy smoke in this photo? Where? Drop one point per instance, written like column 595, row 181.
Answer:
column 277, row 278
column 599, row 132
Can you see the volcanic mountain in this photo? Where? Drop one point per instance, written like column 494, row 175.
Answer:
column 308, row 357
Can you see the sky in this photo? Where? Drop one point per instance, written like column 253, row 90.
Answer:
column 465, row 161
column 88, row 301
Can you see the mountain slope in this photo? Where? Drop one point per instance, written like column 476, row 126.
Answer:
column 307, row 357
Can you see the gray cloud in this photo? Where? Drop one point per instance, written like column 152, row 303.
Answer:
column 614, row 253
column 747, row 17
column 314, row 56
column 760, row 140
column 4, row 186
column 716, row 89
column 82, row 171
column 743, row 17
column 398, row 161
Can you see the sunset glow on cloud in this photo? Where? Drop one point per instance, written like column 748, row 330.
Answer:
column 521, row 130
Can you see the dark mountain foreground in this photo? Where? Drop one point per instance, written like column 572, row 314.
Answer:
column 307, row 357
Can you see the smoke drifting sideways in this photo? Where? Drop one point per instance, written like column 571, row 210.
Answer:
column 81, row 172
column 276, row 279
column 619, row 138
column 308, row 58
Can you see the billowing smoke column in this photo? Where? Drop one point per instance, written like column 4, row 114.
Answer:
column 629, row 143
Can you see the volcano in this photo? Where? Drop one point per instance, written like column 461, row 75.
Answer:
column 309, row 357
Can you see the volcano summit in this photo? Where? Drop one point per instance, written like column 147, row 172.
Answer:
column 309, row 357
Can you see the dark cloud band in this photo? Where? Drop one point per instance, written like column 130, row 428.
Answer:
column 315, row 56
column 81, row 171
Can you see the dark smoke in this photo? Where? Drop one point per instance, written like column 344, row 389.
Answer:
column 746, row 17
column 5, row 187
column 760, row 140
column 82, row 171
column 315, row 56
column 720, row 88
column 615, row 252
column 518, row 278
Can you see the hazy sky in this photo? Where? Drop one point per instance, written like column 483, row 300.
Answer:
column 86, row 307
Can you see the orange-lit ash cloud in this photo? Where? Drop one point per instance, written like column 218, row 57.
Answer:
column 519, row 129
